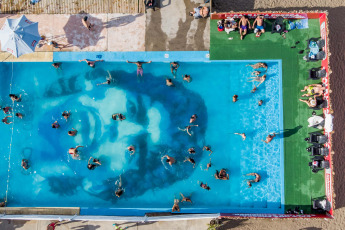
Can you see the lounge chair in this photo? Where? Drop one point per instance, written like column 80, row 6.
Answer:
column 318, row 163
column 318, row 150
column 153, row 6
column 320, row 42
column 320, row 103
column 317, row 73
column 322, row 205
column 318, row 57
column 316, row 138
column 278, row 25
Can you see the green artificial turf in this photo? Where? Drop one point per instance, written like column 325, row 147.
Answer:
column 301, row 185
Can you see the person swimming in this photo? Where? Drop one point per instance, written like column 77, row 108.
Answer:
column 66, row 114
column 193, row 118
column 19, row 115
column 109, row 79
column 191, row 151
column 207, row 148
column 257, row 179
column 191, row 160
column 243, row 135
column 204, row 186
column 72, row 132
column 169, row 82
column 222, row 175
column 139, row 64
column 269, row 138
column 7, row 109
column 187, row 78
column 258, row 65
column 119, row 191
column 74, row 151
column 235, row 98
column 187, row 129
column 118, row 115
column 209, row 165
column 174, row 66
column 92, row 166
column 131, row 149
column 6, row 121
column 185, row 199
column 170, row 160
column 176, row 207
column 25, row 164
column 91, row 63
column 55, row 125
column 257, row 79
column 15, row 97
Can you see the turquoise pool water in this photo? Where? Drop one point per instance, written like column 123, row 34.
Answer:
column 154, row 112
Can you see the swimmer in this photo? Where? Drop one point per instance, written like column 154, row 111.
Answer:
column 222, row 175
column 91, row 63
column 208, row 165
column 269, row 138
column 7, row 109
column 254, row 89
column 187, row 78
column 169, row 82
column 191, row 151
column 15, row 97
column 193, row 118
column 257, row 79
column 185, row 199
column 56, row 65
column 257, row 179
column 175, row 208
column 5, row 120
column 74, row 151
column 25, row 164
column 169, row 159
column 131, row 149
column 66, row 114
column 259, row 65
column 260, row 103
column 191, row 160
column 234, row 98
column 109, row 79
column 55, row 125
column 207, row 148
column 204, row 186
column 19, row 115
column 119, row 115
column 93, row 166
column 119, row 191
column 243, row 135
column 174, row 66
column 3, row 204
column 187, row 128
column 73, row 132
column 139, row 64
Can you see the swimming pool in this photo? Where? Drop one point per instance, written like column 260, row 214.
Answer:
column 153, row 114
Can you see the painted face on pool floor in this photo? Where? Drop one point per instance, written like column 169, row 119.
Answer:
column 153, row 114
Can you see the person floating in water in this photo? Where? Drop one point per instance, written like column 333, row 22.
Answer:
column 119, row 191
column 209, row 165
column 204, row 186
column 207, row 148
column 139, row 64
column 74, row 151
column 259, row 65
column 257, row 79
column 118, row 115
column 169, row 82
column 170, row 160
column 72, row 132
column 7, row 109
column 56, row 65
column 254, row 89
column 175, row 208
column 91, row 63
column 131, row 149
column 191, row 160
column 174, row 66
column 19, row 115
column 66, row 114
column 222, row 175
column 187, row 78
column 15, row 97
column 260, row 103
column 55, row 125
column 185, row 199
column 193, row 118
column 92, row 166
column 235, row 98
column 257, row 179
column 243, row 135
column 6, row 121
column 187, row 129
column 269, row 138
column 191, row 151
column 25, row 164
column 109, row 79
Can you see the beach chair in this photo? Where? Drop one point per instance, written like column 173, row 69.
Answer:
column 318, row 163
column 316, row 138
column 317, row 73
column 153, row 6
column 318, row 150
column 318, row 57
column 320, row 42
column 278, row 25
column 322, row 205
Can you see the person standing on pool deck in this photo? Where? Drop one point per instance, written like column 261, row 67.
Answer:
column 90, row 63
column 243, row 135
column 74, row 151
column 169, row 159
column 174, row 66
column 207, row 148
column 73, row 132
column 269, row 138
column 244, row 25
column 175, row 208
column 5, row 120
column 139, row 64
column 86, row 23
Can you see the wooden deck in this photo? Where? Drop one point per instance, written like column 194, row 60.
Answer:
column 72, row 6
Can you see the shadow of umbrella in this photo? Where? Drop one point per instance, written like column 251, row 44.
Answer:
column 78, row 35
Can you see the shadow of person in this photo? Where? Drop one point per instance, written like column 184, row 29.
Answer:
column 121, row 21
column 80, row 36
column 290, row 132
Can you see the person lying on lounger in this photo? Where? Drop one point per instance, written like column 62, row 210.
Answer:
column 313, row 89
column 311, row 102
column 259, row 28
column 199, row 12
column 244, row 25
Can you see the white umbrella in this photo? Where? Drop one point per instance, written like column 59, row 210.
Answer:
column 19, row 36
